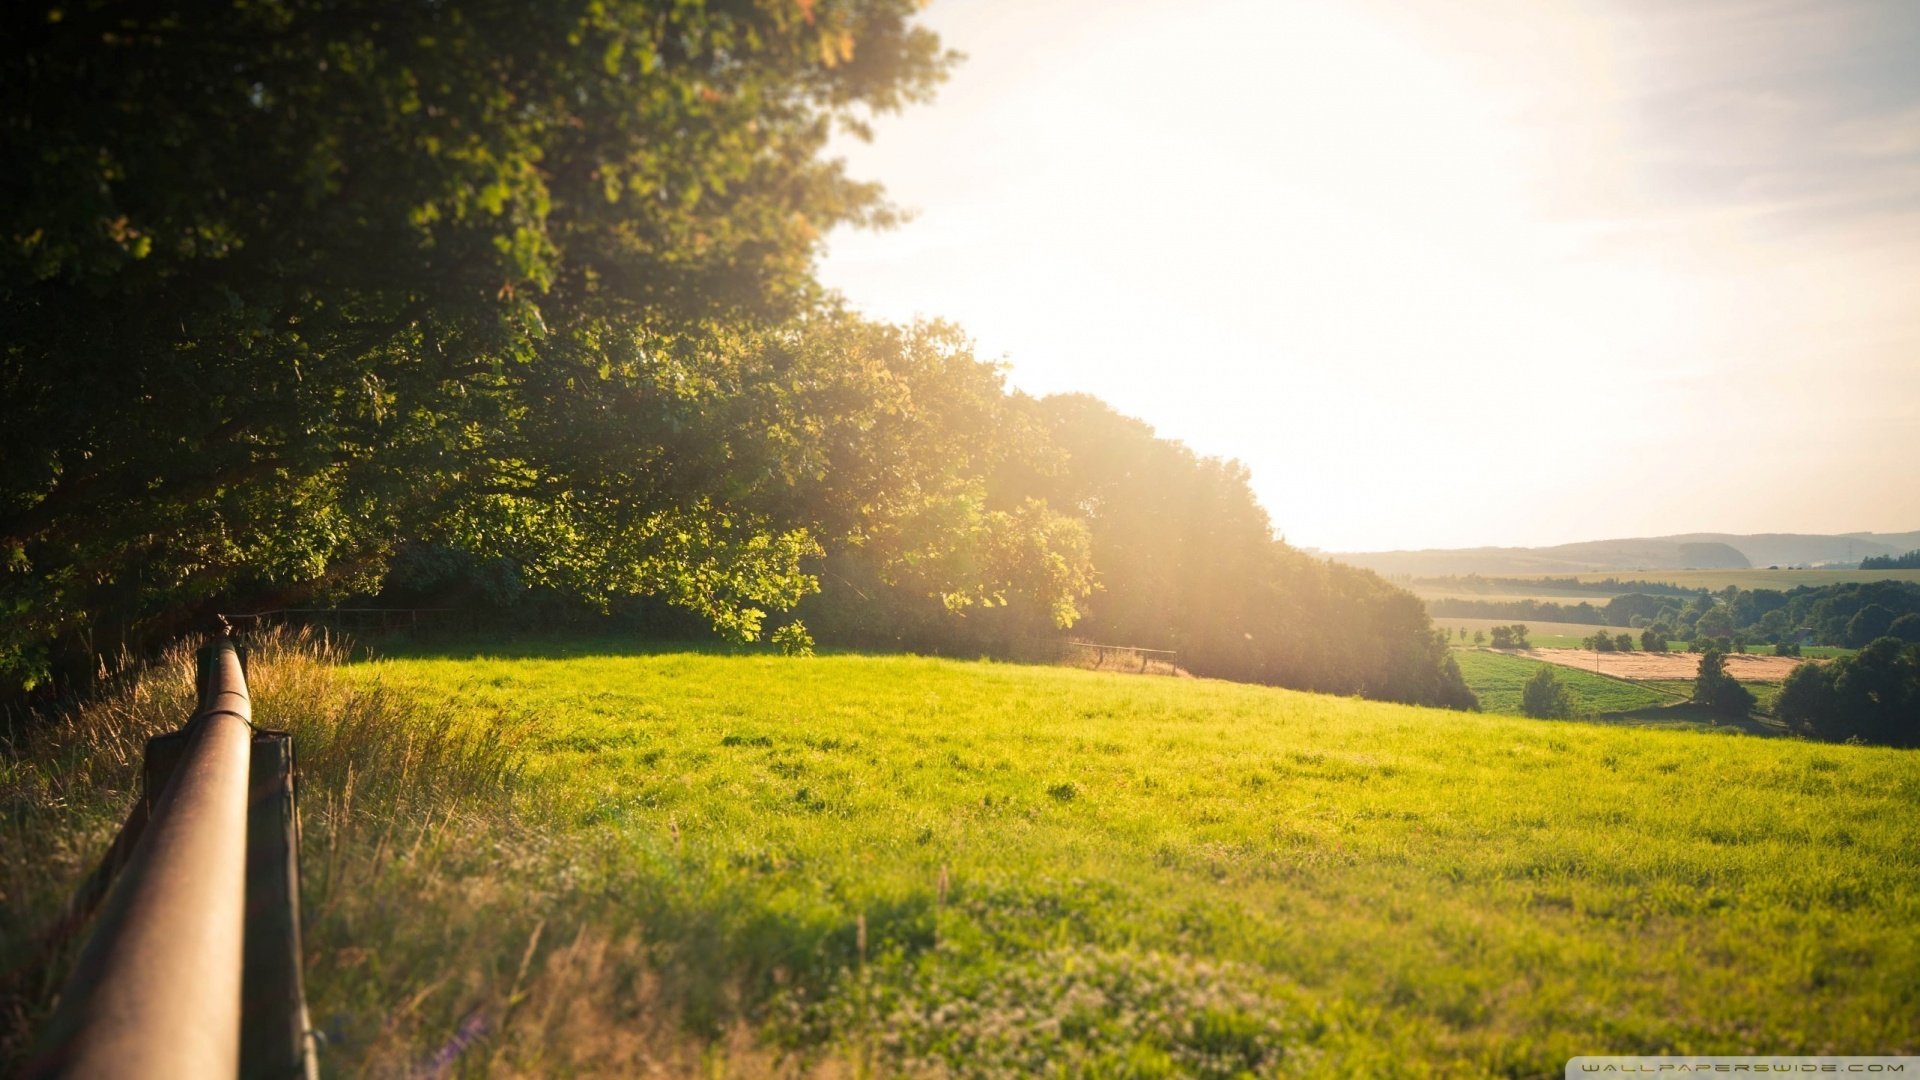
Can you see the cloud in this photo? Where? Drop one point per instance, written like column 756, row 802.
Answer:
column 1801, row 114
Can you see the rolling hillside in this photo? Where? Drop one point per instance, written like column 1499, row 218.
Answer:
column 1687, row 551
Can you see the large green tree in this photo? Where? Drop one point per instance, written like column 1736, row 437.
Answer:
column 1871, row 696
column 282, row 284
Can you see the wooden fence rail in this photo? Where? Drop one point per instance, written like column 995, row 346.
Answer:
column 1128, row 656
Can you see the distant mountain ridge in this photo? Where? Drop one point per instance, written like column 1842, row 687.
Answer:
column 1686, row 551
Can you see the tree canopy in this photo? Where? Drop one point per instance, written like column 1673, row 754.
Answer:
column 1871, row 696
column 323, row 298
column 284, row 282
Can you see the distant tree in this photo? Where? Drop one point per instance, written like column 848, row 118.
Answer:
column 1909, row 561
column 1654, row 638
column 1545, row 696
column 1870, row 623
column 1510, row 637
column 1479, row 637
column 1872, row 696
column 1599, row 641
column 1188, row 560
column 1623, row 642
column 1906, row 627
column 1786, row 648
column 1717, row 690
column 1624, row 609
column 1713, row 623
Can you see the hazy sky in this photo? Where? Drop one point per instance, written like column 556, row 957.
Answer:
column 1443, row 272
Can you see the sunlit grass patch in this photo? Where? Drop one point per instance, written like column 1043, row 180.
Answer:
column 837, row 849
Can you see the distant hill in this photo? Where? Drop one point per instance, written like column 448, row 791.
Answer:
column 1687, row 551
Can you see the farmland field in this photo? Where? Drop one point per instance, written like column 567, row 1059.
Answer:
column 989, row 869
column 1550, row 635
column 1715, row 580
column 1496, row 678
column 1516, row 588
column 1746, row 667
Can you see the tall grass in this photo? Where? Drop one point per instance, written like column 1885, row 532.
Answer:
column 403, row 807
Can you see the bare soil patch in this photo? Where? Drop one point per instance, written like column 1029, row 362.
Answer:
column 1674, row 665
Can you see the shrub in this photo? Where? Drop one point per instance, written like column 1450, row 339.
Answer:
column 1623, row 643
column 793, row 639
column 1545, row 696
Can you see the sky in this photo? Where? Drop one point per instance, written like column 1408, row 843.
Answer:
column 1442, row 273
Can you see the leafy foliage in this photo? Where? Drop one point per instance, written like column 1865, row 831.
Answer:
column 1717, row 690
column 1187, row 560
column 284, row 285
column 328, row 298
column 1872, row 696
column 1510, row 637
column 1909, row 561
column 1545, row 696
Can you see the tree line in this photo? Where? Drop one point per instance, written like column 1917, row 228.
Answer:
column 1476, row 583
column 1848, row 615
column 513, row 305
column 1909, row 561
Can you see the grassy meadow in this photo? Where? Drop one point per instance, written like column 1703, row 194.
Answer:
column 1000, row 869
column 710, row 864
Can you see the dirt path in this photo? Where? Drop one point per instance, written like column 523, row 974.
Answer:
column 1676, row 665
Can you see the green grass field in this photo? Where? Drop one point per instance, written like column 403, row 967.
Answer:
column 1497, row 678
column 989, row 869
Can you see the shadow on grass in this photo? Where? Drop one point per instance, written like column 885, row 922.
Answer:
column 1690, row 715
column 547, row 645
column 561, row 645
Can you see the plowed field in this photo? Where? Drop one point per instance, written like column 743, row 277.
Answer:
column 1671, row 665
